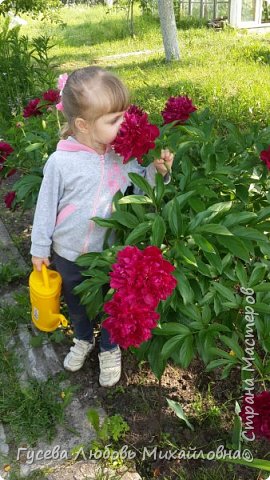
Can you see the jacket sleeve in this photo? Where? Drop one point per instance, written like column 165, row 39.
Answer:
column 50, row 192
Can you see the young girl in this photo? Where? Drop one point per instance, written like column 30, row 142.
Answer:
column 80, row 180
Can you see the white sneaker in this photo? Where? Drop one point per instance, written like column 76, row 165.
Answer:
column 77, row 354
column 110, row 367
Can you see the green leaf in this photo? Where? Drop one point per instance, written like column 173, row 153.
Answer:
column 33, row 146
column 26, row 185
column 249, row 233
column 178, row 410
column 233, row 345
column 257, row 275
column 158, row 231
column 139, row 211
column 242, row 192
column 203, row 243
column 224, row 291
column 214, row 260
column 237, row 218
column 172, row 328
column 187, row 351
column 139, row 233
column 264, row 287
column 184, row 287
column 219, row 362
column 37, row 340
column 206, row 314
column 197, row 204
column 93, row 418
column 143, row 185
column 136, row 199
column 160, row 188
column 190, row 311
column 182, row 199
column 175, row 219
column 213, row 228
column 170, row 345
column 261, row 307
column 236, row 246
column 221, row 353
column 264, row 213
column 105, row 222
column 186, row 253
column 241, row 274
column 265, row 248
column 126, row 219
column 157, row 363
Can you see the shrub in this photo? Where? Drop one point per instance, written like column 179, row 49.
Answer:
column 25, row 69
column 212, row 223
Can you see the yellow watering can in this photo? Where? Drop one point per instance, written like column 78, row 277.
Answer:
column 45, row 291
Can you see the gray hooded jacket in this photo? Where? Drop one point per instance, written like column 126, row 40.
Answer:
column 78, row 184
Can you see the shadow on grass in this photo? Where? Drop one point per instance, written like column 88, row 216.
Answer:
column 108, row 29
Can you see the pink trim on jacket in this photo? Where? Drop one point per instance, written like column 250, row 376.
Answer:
column 64, row 213
column 74, row 146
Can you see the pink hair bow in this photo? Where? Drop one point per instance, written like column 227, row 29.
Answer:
column 62, row 79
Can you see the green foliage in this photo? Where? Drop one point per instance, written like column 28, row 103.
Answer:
column 33, row 140
column 113, row 428
column 31, row 60
column 178, row 410
column 212, row 223
column 10, row 272
column 48, row 8
column 33, row 411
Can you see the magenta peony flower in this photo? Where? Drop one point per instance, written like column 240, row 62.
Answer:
column 141, row 279
column 146, row 271
column 257, row 414
column 178, row 108
column 136, row 135
column 130, row 321
column 265, row 157
column 32, row 109
column 5, row 150
column 51, row 96
column 9, row 198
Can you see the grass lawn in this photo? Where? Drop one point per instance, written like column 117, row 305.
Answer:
column 226, row 71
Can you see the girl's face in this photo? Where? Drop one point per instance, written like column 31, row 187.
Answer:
column 106, row 127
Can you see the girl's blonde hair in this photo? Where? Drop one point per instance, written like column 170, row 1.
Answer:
column 89, row 93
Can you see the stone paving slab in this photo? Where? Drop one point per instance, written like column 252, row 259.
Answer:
column 41, row 363
column 8, row 251
column 90, row 471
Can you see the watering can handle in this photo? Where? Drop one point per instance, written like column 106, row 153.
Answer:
column 45, row 275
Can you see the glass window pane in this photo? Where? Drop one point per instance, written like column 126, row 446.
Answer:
column 184, row 8
column 248, row 10
column 196, row 9
column 266, row 11
column 208, row 11
column 223, row 9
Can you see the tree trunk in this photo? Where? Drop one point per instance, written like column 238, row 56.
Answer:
column 168, row 29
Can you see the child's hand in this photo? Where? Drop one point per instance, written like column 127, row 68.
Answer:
column 164, row 164
column 37, row 262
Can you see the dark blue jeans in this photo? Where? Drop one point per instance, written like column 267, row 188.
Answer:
column 82, row 324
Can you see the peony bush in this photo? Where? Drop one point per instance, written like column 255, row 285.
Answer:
column 211, row 224
column 184, row 253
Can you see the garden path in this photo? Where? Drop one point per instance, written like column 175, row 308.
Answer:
column 41, row 363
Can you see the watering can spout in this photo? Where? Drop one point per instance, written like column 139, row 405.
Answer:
column 45, row 292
